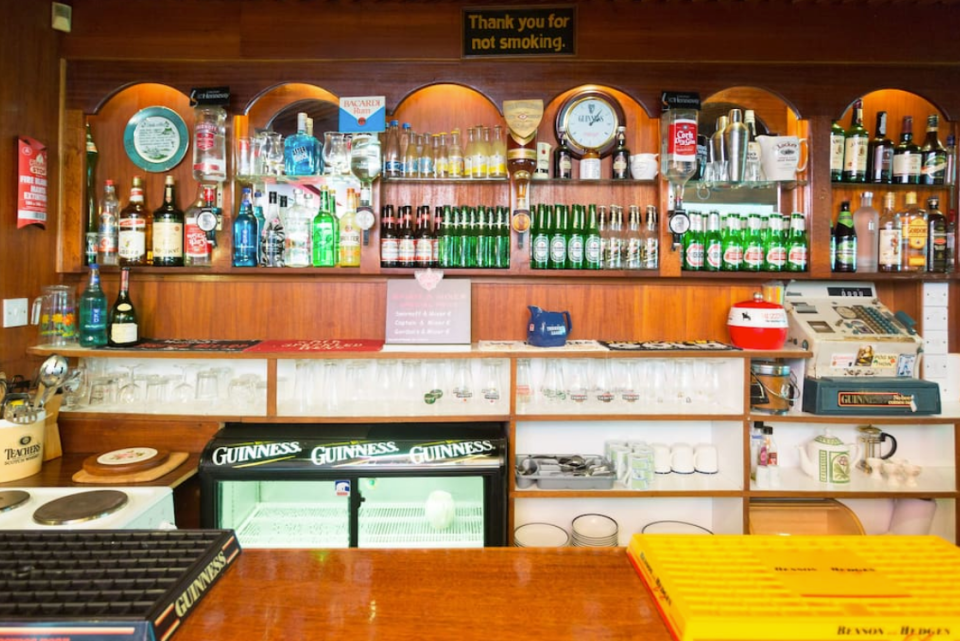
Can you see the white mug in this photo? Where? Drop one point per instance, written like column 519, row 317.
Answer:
column 780, row 156
column 661, row 458
column 643, row 166
column 705, row 459
column 681, row 458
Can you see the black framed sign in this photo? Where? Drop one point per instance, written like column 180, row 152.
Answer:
column 509, row 31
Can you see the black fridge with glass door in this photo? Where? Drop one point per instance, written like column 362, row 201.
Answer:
column 413, row 485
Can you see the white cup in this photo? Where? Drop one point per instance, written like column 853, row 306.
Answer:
column 681, row 458
column 661, row 458
column 705, row 459
column 643, row 166
column 780, row 156
column 912, row 516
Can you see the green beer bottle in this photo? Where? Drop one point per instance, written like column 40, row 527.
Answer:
column 484, row 253
column 713, row 244
column 732, row 244
column 558, row 237
column 540, row 238
column 693, row 244
column 775, row 249
column 592, row 246
column 575, row 230
column 753, row 245
column 502, row 243
column 797, row 244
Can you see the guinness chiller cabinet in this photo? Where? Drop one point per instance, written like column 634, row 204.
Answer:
column 357, row 485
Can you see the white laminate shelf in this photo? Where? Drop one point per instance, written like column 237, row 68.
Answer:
column 950, row 413
column 673, row 484
column 932, row 480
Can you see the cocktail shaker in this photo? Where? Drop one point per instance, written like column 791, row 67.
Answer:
column 735, row 137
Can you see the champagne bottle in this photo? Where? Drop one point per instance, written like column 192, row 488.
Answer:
column 124, row 330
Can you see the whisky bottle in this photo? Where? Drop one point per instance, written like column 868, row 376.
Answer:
column 846, row 236
column 906, row 156
column 134, row 227
column 890, row 237
column 933, row 164
column 168, row 229
column 621, row 157
column 124, row 330
column 562, row 159
column 936, row 237
column 856, row 141
column 836, row 151
column 915, row 230
column 880, row 153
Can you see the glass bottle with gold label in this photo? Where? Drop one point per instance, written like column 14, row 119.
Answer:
column 915, row 225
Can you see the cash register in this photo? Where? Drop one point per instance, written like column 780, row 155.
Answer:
column 865, row 359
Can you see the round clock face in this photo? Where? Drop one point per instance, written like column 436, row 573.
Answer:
column 590, row 120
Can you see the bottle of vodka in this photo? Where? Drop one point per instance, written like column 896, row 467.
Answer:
column 298, row 227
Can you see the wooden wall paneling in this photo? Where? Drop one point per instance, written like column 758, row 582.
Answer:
column 30, row 98
column 96, row 434
column 73, row 194
column 320, row 29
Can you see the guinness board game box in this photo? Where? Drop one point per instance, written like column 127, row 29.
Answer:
column 871, row 396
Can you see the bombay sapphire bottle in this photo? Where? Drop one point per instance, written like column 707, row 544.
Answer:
column 245, row 234
column 299, row 151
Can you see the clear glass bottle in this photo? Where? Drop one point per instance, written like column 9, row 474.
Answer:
column 107, row 228
column 411, row 157
column 350, row 232
column 93, row 312
column 455, row 155
column 209, row 143
column 497, row 162
column 614, row 259
column 298, row 151
column 866, row 221
column 441, row 158
column 470, row 153
column 392, row 159
column 297, row 225
column 633, row 246
column 428, row 146
column 890, row 236
column 196, row 247
column 651, row 239
column 915, row 234
column 480, row 167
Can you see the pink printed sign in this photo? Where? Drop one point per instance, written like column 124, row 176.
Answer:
column 319, row 345
column 31, row 182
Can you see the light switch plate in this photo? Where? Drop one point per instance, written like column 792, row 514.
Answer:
column 936, row 294
column 934, row 318
column 935, row 341
column 15, row 312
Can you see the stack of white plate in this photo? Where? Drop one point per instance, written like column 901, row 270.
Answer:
column 595, row 531
column 540, row 535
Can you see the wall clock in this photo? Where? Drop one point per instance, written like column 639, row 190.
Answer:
column 590, row 119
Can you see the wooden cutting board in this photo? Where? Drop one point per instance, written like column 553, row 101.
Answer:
column 175, row 460
column 127, row 460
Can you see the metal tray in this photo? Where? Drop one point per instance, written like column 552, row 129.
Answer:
column 553, row 472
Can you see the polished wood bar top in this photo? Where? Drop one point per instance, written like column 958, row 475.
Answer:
column 490, row 593
column 59, row 472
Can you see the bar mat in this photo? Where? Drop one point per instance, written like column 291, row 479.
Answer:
column 121, row 585
column 176, row 460
column 319, row 345
column 186, row 345
column 664, row 346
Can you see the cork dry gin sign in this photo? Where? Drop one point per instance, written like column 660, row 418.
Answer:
column 544, row 31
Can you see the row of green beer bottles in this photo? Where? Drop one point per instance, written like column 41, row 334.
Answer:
column 769, row 243
column 456, row 237
column 586, row 237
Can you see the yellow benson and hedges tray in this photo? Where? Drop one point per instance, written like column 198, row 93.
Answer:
column 802, row 588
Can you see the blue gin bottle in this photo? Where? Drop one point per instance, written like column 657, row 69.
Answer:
column 299, row 151
column 245, row 234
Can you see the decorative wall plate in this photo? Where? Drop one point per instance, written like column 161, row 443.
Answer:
column 156, row 139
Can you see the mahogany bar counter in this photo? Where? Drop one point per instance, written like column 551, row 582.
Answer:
column 490, row 593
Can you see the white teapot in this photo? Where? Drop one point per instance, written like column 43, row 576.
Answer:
column 828, row 459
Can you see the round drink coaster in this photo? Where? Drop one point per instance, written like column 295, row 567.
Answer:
column 128, row 460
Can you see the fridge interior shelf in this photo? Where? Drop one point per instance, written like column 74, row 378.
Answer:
column 406, row 524
column 295, row 525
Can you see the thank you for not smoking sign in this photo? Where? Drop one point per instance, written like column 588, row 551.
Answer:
column 544, row 31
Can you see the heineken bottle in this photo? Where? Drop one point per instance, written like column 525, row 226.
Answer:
column 592, row 246
column 633, row 244
column 693, row 244
column 651, row 240
column 713, row 243
column 614, row 257
column 442, row 221
column 484, row 237
column 753, row 245
column 558, row 237
column 774, row 247
column 604, row 231
column 468, row 235
column 456, row 237
column 540, row 238
column 797, row 244
column 575, row 229
column 732, row 244
column 502, row 243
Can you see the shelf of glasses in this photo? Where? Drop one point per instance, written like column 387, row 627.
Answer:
column 272, row 179
column 888, row 187
column 597, row 181
column 502, row 180
column 734, row 186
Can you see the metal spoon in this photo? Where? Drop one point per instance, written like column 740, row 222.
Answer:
column 52, row 372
